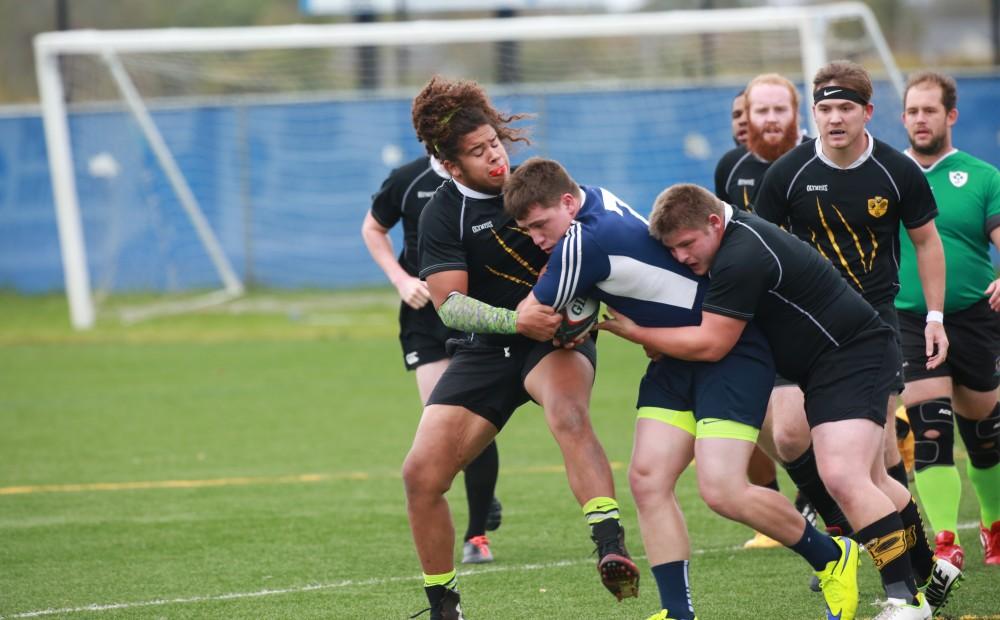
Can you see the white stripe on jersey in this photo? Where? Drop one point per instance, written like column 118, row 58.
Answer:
column 572, row 259
column 633, row 278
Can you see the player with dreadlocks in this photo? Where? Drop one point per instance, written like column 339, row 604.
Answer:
column 479, row 266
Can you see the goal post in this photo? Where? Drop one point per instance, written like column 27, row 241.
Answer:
column 236, row 157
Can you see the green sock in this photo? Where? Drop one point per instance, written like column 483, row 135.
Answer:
column 600, row 508
column 986, row 482
column 448, row 580
column 940, row 489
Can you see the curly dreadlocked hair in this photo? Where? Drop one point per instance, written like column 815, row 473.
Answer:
column 446, row 110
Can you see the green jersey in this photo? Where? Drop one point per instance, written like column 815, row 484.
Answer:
column 967, row 192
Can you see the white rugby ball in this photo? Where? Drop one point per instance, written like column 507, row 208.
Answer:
column 579, row 315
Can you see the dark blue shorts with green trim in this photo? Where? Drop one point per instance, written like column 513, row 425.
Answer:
column 734, row 388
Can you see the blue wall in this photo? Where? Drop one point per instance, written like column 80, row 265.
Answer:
column 270, row 223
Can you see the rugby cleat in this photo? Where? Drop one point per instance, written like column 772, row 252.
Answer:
column 900, row 609
column 477, row 551
column 946, row 549
column 619, row 574
column 761, row 541
column 495, row 516
column 991, row 543
column 663, row 614
column 447, row 604
column 945, row 579
column 839, row 581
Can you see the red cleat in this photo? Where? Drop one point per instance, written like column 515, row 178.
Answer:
column 991, row 543
column 946, row 549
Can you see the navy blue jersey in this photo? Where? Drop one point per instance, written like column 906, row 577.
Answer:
column 608, row 254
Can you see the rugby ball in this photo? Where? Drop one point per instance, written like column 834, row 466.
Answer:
column 579, row 315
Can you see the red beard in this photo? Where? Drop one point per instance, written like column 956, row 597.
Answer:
column 759, row 146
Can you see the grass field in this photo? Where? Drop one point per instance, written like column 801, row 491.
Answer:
column 245, row 464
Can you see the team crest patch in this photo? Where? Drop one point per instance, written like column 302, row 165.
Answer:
column 877, row 206
column 958, row 178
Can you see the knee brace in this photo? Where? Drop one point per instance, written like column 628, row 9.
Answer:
column 982, row 439
column 932, row 415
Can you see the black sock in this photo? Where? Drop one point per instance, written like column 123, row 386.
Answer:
column 480, row 483
column 804, row 474
column 885, row 542
column 898, row 471
column 921, row 556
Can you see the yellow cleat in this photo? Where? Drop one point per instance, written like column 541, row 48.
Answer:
column 761, row 541
column 662, row 615
column 839, row 581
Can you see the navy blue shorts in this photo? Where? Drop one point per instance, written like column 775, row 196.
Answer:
column 734, row 388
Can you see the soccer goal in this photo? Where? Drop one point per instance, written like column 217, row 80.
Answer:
column 191, row 165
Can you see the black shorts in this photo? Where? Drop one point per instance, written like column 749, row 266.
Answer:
column 973, row 351
column 855, row 380
column 422, row 335
column 487, row 377
column 887, row 312
column 735, row 388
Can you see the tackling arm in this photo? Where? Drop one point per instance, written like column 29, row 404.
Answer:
column 459, row 311
column 708, row 342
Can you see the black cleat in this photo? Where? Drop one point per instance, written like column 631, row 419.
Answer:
column 445, row 604
column 619, row 573
column 495, row 516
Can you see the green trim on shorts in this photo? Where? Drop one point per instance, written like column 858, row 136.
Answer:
column 717, row 428
column 683, row 420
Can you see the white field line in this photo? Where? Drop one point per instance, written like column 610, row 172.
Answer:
column 465, row 573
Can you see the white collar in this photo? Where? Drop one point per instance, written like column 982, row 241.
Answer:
column 857, row 162
column 727, row 212
column 438, row 168
column 471, row 193
column 909, row 154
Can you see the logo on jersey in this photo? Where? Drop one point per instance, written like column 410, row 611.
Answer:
column 484, row 226
column 958, row 178
column 423, row 194
column 741, row 182
column 816, row 188
column 877, row 206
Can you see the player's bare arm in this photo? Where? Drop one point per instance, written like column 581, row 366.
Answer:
column 708, row 342
column 930, row 265
column 993, row 290
column 413, row 291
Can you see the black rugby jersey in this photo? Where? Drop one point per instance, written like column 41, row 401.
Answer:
column 800, row 302
column 851, row 216
column 402, row 197
column 470, row 232
column 738, row 175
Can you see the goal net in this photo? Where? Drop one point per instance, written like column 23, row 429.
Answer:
column 192, row 165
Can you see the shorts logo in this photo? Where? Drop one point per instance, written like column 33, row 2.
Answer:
column 506, row 351
column 817, row 188
column 958, row 178
column 412, row 358
column 877, row 206
column 484, row 226
column 741, row 182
